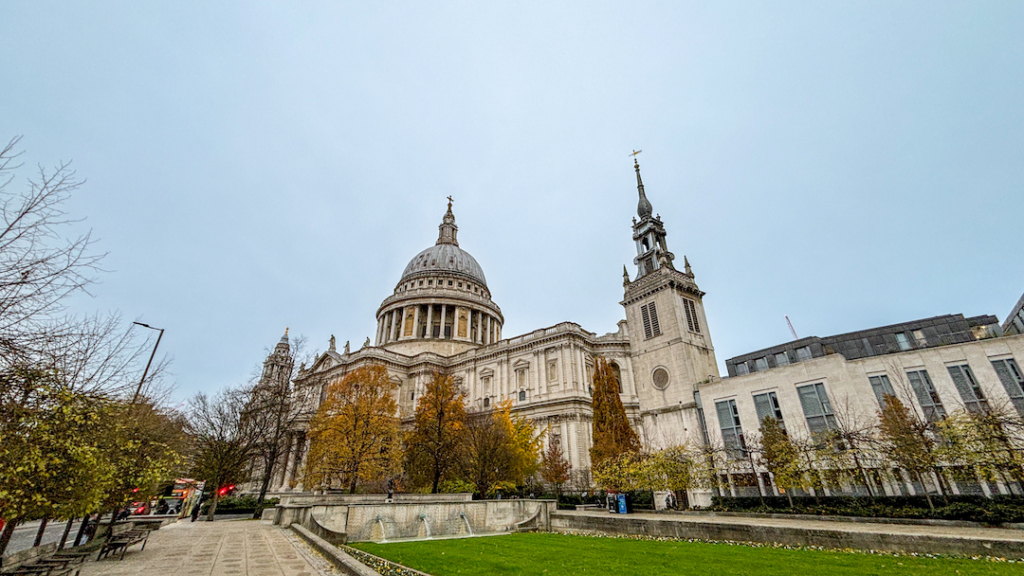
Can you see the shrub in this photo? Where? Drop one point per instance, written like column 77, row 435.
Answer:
column 995, row 510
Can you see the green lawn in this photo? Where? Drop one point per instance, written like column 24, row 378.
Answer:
column 561, row 554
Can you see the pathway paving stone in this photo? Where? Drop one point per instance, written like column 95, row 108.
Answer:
column 226, row 548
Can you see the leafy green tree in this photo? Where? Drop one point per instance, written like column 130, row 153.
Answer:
column 50, row 464
column 906, row 441
column 611, row 433
column 433, row 447
column 499, row 448
column 780, row 456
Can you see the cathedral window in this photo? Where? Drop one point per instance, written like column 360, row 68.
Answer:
column 552, row 370
column 618, row 376
column 449, row 282
column 522, row 395
column 430, row 282
column 487, row 402
column 691, row 315
column 650, row 317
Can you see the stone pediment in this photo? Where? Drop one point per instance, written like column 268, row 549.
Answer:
column 519, row 364
column 325, row 361
column 486, row 373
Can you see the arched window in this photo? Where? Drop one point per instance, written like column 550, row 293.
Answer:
column 646, row 245
column 618, row 376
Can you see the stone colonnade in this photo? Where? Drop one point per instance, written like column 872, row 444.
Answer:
column 438, row 321
column 292, row 462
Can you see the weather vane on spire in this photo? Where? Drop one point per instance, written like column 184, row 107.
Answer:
column 634, row 154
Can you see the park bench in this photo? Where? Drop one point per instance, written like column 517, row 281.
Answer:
column 64, row 565
column 123, row 541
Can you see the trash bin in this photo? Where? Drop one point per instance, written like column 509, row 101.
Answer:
column 612, row 503
column 624, row 504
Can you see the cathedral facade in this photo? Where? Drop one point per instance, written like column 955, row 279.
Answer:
column 441, row 318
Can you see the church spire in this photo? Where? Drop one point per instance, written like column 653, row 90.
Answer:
column 448, row 228
column 648, row 233
column 643, row 208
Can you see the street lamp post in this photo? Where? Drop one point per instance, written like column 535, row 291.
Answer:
column 146, row 371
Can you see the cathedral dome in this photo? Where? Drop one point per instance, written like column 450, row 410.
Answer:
column 442, row 304
column 444, row 258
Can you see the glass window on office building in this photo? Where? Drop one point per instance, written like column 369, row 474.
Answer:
column 1012, row 379
column 882, row 387
column 817, row 409
column 760, row 364
column 741, row 368
column 969, row 389
column 732, row 432
column 927, row 397
column 782, row 359
column 902, row 341
column 767, row 404
column 803, row 353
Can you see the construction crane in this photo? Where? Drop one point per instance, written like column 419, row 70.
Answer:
column 795, row 337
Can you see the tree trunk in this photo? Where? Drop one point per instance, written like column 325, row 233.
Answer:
column 864, row 475
column 789, row 497
column 213, row 505
column 939, row 480
column 64, row 536
column 925, row 489
column 81, row 530
column 268, row 471
column 5, row 536
column 39, row 533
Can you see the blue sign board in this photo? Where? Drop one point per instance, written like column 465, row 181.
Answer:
column 622, row 503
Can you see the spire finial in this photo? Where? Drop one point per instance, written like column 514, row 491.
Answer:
column 625, row 276
column 643, row 208
column 449, row 230
column 686, row 264
column 285, row 331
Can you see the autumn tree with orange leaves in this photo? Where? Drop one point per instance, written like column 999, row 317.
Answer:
column 612, row 433
column 433, row 449
column 354, row 437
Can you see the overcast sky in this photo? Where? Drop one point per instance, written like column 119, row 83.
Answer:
column 257, row 165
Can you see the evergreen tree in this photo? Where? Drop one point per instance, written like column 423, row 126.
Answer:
column 612, row 434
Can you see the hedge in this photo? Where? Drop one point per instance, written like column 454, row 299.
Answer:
column 995, row 510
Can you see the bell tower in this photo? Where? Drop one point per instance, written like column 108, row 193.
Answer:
column 668, row 331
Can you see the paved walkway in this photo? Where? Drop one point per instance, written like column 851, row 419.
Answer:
column 225, row 548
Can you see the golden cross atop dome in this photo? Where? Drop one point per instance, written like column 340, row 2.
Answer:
column 635, row 152
column 450, row 203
